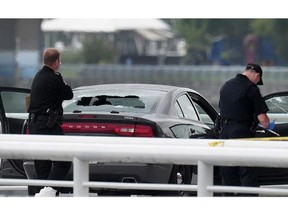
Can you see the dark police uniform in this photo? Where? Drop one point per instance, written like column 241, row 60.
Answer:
column 240, row 103
column 47, row 94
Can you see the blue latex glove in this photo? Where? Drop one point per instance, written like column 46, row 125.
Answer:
column 271, row 125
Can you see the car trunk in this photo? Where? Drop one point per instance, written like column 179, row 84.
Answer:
column 108, row 125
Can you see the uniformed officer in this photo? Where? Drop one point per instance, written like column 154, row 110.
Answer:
column 48, row 91
column 242, row 106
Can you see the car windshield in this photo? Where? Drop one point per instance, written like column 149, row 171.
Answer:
column 117, row 100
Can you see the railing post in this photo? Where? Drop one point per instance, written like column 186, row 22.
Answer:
column 80, row 175
column 205, row 178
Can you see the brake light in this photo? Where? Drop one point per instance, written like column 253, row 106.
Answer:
column 109, row 128
column 143, row 131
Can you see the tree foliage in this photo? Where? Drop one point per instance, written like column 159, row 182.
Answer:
column 199, row 33
column 98, row 50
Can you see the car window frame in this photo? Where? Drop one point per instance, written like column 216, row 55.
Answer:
column 211, row 112
column 179, row 108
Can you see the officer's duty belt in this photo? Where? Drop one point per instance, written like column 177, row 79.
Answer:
column 235, row 121
column 34, row 117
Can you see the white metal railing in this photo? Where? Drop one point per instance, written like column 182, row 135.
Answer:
column 203, row 152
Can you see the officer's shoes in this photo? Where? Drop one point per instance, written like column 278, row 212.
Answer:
column 46, row 192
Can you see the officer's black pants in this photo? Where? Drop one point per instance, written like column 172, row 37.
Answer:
column 237, row 176
column 46, row 169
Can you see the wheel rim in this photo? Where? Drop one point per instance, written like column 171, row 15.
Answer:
column 181, row 179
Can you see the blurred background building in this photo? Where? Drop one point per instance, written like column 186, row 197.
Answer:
column 128, row 41
column 142, row 42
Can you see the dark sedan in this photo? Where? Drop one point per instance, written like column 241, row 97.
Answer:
column 136, row 110
column 131, row 110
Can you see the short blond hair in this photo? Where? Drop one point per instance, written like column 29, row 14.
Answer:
column 50, row 56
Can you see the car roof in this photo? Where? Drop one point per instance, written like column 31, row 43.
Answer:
column 159, row 87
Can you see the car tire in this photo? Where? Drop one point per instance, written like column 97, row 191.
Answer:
column 17, row 164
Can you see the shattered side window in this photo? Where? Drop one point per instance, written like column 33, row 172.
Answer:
column 278, row 104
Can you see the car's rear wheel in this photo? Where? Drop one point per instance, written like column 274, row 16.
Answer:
column 181, row 174
column 17, row 164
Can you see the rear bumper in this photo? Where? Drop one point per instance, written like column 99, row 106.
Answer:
column 111, row 172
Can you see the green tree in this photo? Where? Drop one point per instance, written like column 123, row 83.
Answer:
column 196, row 34
column 280, row 35
column 199, row 34
column 97, row 49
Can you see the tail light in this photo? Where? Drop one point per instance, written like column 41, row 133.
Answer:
column 109, row 128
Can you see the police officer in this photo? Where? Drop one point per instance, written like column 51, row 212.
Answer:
column 48, row 91
column 242, row 106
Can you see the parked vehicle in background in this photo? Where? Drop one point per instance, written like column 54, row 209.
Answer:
column 138, row 110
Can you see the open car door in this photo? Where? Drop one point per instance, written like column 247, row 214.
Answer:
column 13, row 114
column 278, row 111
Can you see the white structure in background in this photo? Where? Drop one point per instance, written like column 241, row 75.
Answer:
column 142, row 37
